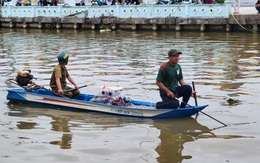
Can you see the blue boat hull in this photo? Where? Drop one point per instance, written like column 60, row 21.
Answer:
column 82, row 102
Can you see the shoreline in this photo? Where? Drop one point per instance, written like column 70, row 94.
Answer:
column 246, row 19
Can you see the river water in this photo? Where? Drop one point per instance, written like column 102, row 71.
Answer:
column 224, row 67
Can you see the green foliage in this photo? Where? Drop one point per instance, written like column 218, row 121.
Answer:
column 220, row 1
column 255, row 31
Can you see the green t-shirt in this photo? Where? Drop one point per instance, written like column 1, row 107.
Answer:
column 59, row 72
column 170, row 76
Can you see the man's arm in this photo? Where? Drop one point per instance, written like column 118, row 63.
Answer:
column 182, row 82
column 163, row 88
column 72, row 82
column 60, row 91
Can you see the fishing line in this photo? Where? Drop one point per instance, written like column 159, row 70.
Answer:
column 201, row 111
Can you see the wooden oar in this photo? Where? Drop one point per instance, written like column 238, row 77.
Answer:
column 201, row 112
column 78, row 88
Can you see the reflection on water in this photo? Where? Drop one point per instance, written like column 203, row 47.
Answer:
column 172, row 134
column 224, row 66
column 61, row 124
column 26, row 125
column 65, row 142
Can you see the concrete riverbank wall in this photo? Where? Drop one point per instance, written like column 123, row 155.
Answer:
column 179, row 17
column 110, row 23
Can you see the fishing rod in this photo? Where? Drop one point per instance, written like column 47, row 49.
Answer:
column 201, row 111
column 73, row 89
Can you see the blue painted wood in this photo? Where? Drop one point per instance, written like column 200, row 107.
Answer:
column 127, row 11
column 83, row 102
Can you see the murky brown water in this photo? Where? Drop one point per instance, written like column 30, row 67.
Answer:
column 223, row 65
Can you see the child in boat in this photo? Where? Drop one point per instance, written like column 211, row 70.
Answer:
column 59, row 75
column 168, row 77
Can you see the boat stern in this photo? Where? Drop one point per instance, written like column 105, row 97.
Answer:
column 16, row 95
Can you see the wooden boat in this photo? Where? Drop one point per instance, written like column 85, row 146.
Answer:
column 85, row 102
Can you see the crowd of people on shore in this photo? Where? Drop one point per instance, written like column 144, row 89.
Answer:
column 137, row 2
column 29, row 2
column 107, row 2
column 40, row 2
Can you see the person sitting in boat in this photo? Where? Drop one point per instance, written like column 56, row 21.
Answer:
column 168, row 77
column 59, row 75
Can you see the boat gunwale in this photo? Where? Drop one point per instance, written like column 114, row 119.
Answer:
column 101, row 104
column 21, row 95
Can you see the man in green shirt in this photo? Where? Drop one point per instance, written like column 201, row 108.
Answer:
column 59, row 75
column 168, row 79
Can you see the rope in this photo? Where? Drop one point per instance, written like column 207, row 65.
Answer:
column 241, row 24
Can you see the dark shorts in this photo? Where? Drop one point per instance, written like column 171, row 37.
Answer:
column 183, row 91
